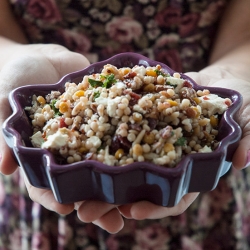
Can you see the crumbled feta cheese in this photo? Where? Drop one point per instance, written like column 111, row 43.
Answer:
column 178, row 82
column 101, row 100
column 205, row 149
column 57, row 140
column 112, row 106
column 213, row 103
column 95, row 141
column 37, row 139
column 140, row 71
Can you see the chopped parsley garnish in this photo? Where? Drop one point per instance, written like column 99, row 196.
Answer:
column 95, row 83
column 180, row 142
column 109, row 80
column 170, row 84
column 96, row 94
column 159, row 72
column 56, row 110
column 106, row 83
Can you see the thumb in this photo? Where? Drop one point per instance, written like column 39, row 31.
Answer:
column 58, row 64
column 65, row 62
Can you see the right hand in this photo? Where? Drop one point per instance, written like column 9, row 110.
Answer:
column 46, row 64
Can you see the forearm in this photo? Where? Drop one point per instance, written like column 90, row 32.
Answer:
column 9, row 27
column 231, row 49
column 11, row 33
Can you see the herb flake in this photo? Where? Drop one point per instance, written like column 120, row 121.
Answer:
column 180, row 141
column 56, row 110
column 95, row 83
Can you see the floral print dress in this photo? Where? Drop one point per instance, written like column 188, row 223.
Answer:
column 175, row 32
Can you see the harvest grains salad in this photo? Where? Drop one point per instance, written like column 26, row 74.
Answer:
column 123, row 115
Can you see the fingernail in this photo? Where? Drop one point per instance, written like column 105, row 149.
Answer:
column 248, row 160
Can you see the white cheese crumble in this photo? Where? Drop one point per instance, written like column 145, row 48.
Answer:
column 213, row 103
column 57, row 140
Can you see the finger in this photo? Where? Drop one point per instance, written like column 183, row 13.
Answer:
column 90, row 211
column 125, row 210
column 112, row 221
column 46, row 199
column 241, row 158
column 147, row 210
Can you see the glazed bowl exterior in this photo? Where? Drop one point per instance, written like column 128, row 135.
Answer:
column 92, row 180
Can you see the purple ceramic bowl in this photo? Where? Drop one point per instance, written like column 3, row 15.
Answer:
column 93, row 180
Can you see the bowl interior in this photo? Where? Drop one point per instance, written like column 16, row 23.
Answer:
column 18, row 126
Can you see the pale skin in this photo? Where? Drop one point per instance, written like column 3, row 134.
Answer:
column 22, row 64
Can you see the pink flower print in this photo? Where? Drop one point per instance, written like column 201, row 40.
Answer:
column 153, row 237
column 188, row 24
column 124, row 29
column 75, row 41
column 40, row 241
column 45, row 10
column 166, row 40
column 189, row 244
column 113, row 243
column 169, row 17
column 171, row 58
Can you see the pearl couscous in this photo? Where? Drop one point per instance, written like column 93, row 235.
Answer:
column 125, row 115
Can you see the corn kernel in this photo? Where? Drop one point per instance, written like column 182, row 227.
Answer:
column 172, row 103
column 214, row 121
column 203, row 122
column 151, row 72
column 168, row 147
column 197, row 100
column 137, row 150
column 41, row 100
column 149, row 88
column 197, row 112
column 149, row 138
column 197, row 130
column 137, row 117
column 125, row 71
column 82, row 150
column 79, row 93
column 119, row 153
column 63, row 107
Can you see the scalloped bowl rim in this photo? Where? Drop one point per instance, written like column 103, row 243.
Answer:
column 179, row 168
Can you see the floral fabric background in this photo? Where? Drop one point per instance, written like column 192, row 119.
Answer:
column 176, row 32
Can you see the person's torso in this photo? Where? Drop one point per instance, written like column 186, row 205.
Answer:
column 176, row 32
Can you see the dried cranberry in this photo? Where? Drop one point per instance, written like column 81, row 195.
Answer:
column 120, row 142
column 130, row 75
column 62, row 123
column 115, row 145
column 135, row 126
column 187, row 84
column 134, row 98
column 125, row 143
column 188, row 93
column 152, row 123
